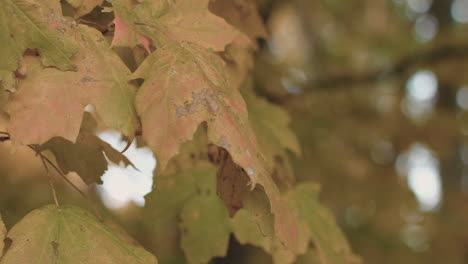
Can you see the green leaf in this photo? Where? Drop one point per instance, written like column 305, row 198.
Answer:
column 162, row 211
column 34, row 24
column 52, row 101
column 247, row 231
column 205, row 228
column 86, row 156
column 271, row 125
column 325, row 233
column 69, row 235
column 255, row 223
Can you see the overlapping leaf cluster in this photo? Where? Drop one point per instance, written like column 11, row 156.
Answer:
column 192, row 70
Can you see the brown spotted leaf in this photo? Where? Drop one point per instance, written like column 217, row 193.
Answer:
column 50, row 103
column 69, row 235
column 185, row 86
column 34, row 24
column 87, row 156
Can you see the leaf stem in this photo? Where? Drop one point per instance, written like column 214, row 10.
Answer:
column 59, row 171
column 51, row 183
column 46, row 161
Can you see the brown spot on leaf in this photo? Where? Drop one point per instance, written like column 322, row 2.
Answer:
column 204, row 98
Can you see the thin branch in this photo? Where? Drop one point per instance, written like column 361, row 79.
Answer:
column 59, row 171
column 404, row 65
column 46, row 161
column 51, row 183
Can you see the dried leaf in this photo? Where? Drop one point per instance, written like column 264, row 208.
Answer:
column 69, row 235
column 231, row 184
column 86, row 156
column 50, row 103
column 34, row 24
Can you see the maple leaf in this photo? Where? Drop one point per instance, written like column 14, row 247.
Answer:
column 204, row 216
column 83, row 7
column 86, row 156
column 242, row 14
column 69, row 235
column 182, row 210
column 52, row 101
column 34, row 24
column 163, row 21
column 125, row 34
column 324, row 231
column 185, row 86
column 162, row 209
column 254, row 225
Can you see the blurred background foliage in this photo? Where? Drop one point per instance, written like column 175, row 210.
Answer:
column 377, row 92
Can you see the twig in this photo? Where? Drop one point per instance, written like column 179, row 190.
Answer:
column 46, row 161
column 401, row 67
column 52, row 187
column 59, row 171
column 404, row 65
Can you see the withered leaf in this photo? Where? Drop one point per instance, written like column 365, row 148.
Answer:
column 87, row 156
